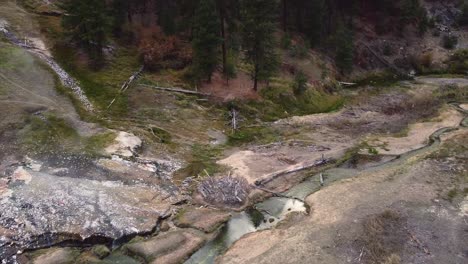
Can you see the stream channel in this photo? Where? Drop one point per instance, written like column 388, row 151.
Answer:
column 269, row 213
column 272, row 211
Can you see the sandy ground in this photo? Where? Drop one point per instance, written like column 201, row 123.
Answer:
column 329, row 135
column 331, row 233
column 417, row 135
column 240, row 87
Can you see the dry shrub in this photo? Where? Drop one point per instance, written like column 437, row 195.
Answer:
column 426, row 60
column 384, row 236
column 226, row 191
column 393, row 259
column 452, row 92
column 422, row 63
column 159, row 51
column 413, row 107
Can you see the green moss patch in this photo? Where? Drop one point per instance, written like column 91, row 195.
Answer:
column 203, row 161
column 101, row 85
column 44, row 134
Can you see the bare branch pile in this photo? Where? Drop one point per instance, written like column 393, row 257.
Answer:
column 229, row 190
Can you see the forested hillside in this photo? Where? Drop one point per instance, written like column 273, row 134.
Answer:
column 211, row 35
column 233, row 131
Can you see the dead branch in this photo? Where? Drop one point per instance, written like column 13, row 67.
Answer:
column 126, row 84
column 418, row 243
column 175, row 89
column 383, row 60
column 291, row 169
column 346, row 83
column 234, row 122
column 227, row 190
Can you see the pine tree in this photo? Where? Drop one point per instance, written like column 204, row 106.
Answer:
column 315, row 22
column 206, row 39
column 87, row 22
column 463, row 18
column 258, row 27
column 344, row 48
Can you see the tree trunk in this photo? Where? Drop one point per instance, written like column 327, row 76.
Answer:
column 285, row 16
column 223, row 36
column 255, row 88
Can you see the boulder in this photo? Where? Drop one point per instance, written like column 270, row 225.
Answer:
column 171, row 248
column 43, row 209
column 101, row 251
column 56, row 256
column 125, row 145
column 204, row 219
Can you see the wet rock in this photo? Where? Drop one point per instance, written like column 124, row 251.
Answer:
column 164, row 227
column 204, row 219
column 146, row 170
column 119, row 258
column 88, row 257
column 55, row 256
column 101, row 251
column 49, row 209
column 3, row 26
column 33, row 164
column 173, row 247
column 217, row 137
column 125, row 145
column 20, row 175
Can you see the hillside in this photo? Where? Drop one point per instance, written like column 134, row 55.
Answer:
column 233, row 131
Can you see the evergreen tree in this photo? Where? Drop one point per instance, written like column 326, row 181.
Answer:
column 463, row 19
column 205, row 39
column 119, row 10
column 258, row 27
column 228, row 12
column 87, row 22
column 344, row 48
column 167, row 13
column 300, row 83
column 315, row 22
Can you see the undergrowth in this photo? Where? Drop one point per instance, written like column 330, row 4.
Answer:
column 47, row 133
column 102, row 85
column 202, row 162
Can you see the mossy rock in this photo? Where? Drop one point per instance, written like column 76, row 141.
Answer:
column 55, row 255
column 101, row 251
column 203, row 219
column 173, row 247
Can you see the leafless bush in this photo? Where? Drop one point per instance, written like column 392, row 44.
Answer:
column 229, row 190
column 384, row 237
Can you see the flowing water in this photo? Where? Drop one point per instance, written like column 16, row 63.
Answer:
column 272, row 211
column 264, row 215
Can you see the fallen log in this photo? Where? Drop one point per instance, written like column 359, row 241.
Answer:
column 175, row 89
column 384, row 61
column 346, row 83
column 126, row 84
column 277, row 194
column 291, row 169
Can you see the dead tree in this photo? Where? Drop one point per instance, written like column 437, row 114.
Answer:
column 126, row 84
column 234, row 119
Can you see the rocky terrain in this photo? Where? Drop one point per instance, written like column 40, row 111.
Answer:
column 383, row 179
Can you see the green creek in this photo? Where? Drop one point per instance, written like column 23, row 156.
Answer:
column 272, row 211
